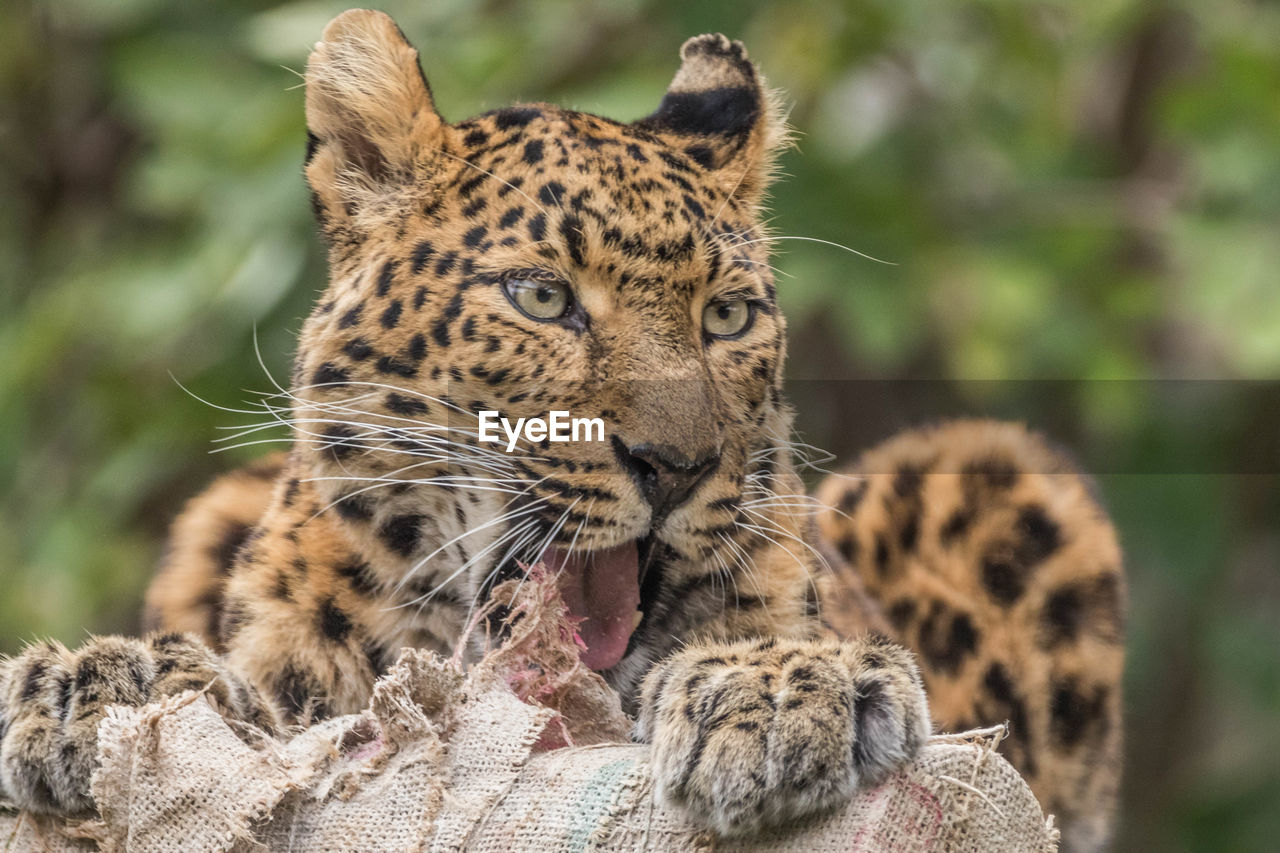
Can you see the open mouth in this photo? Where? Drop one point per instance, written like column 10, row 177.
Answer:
column 605, row 590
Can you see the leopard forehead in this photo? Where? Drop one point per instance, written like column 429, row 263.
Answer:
column 535, row 188
column 602, row 197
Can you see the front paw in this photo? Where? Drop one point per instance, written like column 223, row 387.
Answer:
column 756, row 734
column 52, row 700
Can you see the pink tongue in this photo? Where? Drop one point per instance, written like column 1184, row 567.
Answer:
column 602, row 588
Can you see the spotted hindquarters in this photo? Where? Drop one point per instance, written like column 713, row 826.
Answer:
column 990, row 556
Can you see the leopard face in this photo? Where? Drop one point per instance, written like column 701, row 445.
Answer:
column 530, row 260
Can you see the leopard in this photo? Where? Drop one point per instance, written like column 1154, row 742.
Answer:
column 777, row 650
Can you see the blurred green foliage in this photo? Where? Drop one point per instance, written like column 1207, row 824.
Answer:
column 1085, row 191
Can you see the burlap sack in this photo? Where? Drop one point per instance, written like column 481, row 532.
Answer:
column 525, row 752
column 447, row 762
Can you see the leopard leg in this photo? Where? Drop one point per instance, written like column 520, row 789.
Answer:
column 755, row 733
column 990, row 557
column 52, row 700
column 38, row 766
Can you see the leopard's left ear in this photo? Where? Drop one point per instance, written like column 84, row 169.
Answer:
column 719, row 111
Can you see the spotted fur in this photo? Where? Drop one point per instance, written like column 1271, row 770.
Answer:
column 990, row 556
column 387, row 522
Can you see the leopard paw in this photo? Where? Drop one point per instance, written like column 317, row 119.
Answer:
column 52, row 699
column 756, row 734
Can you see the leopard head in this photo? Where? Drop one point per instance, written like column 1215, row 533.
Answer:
column 530, row 260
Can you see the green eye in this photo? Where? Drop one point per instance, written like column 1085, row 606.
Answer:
column 541, row 300
column 728, row 318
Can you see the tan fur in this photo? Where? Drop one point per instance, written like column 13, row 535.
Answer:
column 388, row 522
column 186, row 593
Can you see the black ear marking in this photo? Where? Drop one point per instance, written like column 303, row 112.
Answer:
column 719, row 111
column 313, row 143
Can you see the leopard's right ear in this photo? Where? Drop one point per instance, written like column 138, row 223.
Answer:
column 373, row 133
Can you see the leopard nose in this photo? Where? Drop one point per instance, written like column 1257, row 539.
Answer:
column 665, row 476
